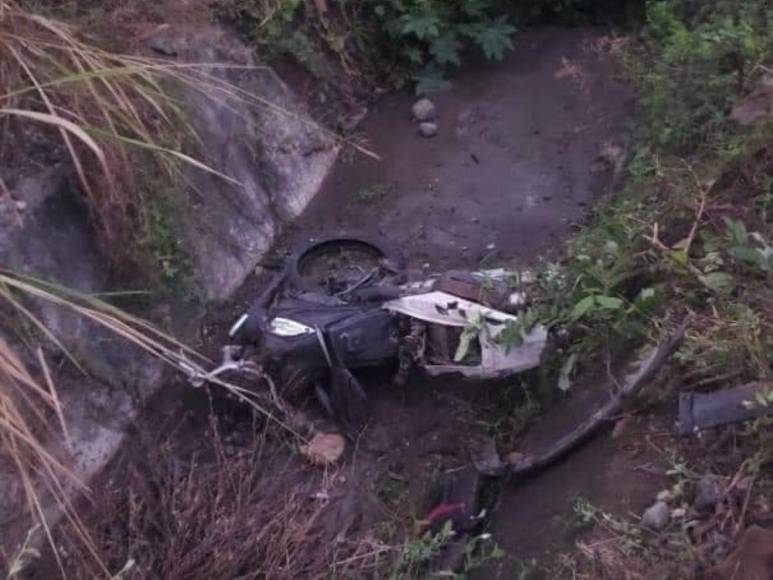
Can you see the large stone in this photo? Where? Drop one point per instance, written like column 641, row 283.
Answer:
column 255, row 130
column 708, row 493
column 656, row 516
column 45, row 233
column 428, row 129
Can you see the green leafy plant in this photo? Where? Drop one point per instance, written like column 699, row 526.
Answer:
column 422, row 39
column 750, row 248
column 416, row 556
column 696, row 63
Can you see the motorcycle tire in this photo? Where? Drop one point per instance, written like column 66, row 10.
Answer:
column 312, row 266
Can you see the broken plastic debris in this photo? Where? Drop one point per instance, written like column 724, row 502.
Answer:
column 497, row 360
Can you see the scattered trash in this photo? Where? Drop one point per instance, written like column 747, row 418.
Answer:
column 324, row 448
column 700, row 411
column 459, row 508
column 428, row 129
column 656, row 516
column 678, row 513
column 621, row 426
column 424, row 110
column 458, row 503
column 751, row 560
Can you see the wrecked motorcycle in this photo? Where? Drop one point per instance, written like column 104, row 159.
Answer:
column 342, row 305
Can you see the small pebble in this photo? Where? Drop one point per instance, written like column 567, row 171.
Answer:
column 428, row 129
column 424, row 110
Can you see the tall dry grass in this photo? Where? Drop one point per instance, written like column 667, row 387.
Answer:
column 113, row 113
column 31, row 411
column 103, row 108
column 258, row 512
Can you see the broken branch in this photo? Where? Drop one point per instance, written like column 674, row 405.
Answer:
column 633, row 385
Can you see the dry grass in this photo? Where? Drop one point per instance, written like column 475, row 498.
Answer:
column 246, row 514
column 30, row 409
column 94, row 103
column 112, row 113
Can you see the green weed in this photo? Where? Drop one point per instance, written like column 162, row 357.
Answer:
column 171, row 263
column 416, row 556
column 375, row 193
column 695, row 64
column 420, row 40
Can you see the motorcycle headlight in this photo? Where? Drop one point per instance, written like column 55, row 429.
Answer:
column 288, row 328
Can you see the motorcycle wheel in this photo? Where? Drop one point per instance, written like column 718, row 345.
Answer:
column 332, row 266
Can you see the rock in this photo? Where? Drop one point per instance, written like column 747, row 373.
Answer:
column 277, row 154
column 424, row 110
column 484, row 456
column 165, row 45
column 656, row 516
column 428, row 129
column 751, row 560
column 708, row 493
column 324, row 448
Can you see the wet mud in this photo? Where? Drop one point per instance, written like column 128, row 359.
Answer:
column 521, row 152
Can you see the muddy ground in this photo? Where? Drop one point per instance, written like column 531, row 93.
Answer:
column 520, row 154
column 524, row 148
